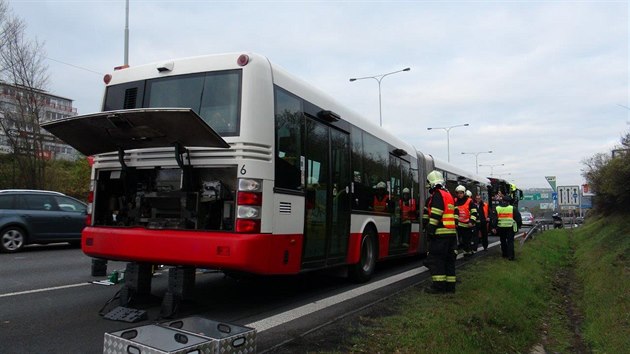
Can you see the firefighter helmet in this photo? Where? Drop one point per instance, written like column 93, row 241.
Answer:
column 460, row 188
column 435, row 178
column 468, row 193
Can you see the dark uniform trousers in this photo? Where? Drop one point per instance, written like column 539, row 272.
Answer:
column 441, row 260
column 506, row 236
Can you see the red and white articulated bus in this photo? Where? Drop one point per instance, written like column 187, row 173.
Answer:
column 228, row 162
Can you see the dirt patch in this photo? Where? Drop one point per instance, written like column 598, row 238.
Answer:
column 567, row 288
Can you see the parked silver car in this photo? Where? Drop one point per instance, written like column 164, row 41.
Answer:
column 35, row 216
column 528, row 218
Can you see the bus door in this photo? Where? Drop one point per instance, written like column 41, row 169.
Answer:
column 327, row 219
column 400, row 227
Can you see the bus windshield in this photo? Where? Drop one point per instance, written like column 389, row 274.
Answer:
column 215, row 96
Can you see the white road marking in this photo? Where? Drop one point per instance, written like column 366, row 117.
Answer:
column 43, row 289
column 301, row 311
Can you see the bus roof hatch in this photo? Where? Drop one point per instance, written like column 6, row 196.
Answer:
column 102, row 132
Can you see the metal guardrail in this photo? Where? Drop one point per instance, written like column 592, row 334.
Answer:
column 542, row 226
column 538, row 226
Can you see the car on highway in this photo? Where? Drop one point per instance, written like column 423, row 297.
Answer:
column 39, row 217
column 528, row 218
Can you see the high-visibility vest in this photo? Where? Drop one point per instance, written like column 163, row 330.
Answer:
column 407, row 210
column 463, row 215
column 505, row 216
column 447, row 226
column 380, row 204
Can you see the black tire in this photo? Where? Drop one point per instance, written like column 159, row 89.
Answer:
column 12, row 239
column 362, row 271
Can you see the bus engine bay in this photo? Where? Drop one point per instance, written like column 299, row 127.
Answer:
column 166, row 198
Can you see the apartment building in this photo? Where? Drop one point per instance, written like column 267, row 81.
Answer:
column 52, row 107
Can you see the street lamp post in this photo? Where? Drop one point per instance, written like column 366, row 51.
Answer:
column 378, row 79
column 448, row 139
column 477, row 157
column 492, row 167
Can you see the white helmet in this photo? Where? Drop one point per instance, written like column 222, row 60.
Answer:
column 468, row 193
column 381, row 185
column 406, row 190
column 434, row 178
column 460, row 188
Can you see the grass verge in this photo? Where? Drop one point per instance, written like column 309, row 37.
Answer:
column 602, row 249
column 566, row 292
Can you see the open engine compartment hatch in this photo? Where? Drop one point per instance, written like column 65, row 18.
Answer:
column 103, row 132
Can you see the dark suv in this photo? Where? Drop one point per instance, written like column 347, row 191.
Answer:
column 34, row 216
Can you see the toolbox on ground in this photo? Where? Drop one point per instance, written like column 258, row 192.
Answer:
column 230, row 339
column 154, row 339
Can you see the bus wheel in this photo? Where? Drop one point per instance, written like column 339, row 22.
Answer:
column 362, row 271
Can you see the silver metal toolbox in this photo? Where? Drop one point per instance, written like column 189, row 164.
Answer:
column 231, row 339
column 154, row 339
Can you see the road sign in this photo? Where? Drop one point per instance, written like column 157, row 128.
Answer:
column 552, row 182
column 568, row 195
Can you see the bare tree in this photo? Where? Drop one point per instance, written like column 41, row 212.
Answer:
column 24, row 77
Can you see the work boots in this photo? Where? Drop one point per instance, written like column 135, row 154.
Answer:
column 437, row 287
column 449, row 287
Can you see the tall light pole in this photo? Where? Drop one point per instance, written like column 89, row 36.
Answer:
column 378, row 79
column 126, row 59
column 448, row 139
column 492, row 167
column 477, row 157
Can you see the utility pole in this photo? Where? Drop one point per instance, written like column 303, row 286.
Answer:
column 126, row 32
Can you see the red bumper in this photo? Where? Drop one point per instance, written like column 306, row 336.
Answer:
column 254, row 253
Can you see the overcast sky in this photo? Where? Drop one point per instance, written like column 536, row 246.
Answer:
column 543, row 84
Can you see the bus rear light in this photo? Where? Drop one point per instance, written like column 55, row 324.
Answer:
column 249, row 185
column 248, row 225
column 249, row 198
column 247, row 212
column 249, row 202
column 90, row 202
column 107, row 78
column 242, row 60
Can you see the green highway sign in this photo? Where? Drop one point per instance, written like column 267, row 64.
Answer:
column 537, row 196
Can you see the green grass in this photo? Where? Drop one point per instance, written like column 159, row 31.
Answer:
column 509, row 307
column 602, row 253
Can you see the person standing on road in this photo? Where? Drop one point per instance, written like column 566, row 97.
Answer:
column 439, row 225
column 466, row 219
column 481, row 232
column 505, row 222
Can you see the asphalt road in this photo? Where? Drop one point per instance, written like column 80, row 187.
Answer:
column 48, row 305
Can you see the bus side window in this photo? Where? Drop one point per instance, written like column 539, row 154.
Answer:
column 287, row 165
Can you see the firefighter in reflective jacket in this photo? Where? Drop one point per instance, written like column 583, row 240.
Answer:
column 505, row 222
column 381, row 198
column 466, row 220
column 439, row 225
